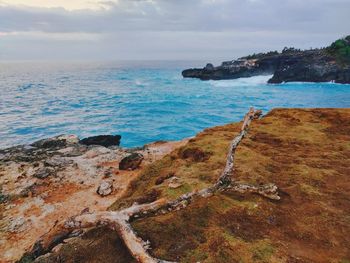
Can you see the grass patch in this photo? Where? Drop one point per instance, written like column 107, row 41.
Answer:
column 304, row 152
column 263, row 251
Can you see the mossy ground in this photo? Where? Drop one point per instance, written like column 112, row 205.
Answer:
column 305, row 152
column 194, row 173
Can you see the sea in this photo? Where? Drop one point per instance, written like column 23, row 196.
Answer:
column 143, row 101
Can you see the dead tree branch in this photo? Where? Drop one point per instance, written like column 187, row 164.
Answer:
column 119, row 221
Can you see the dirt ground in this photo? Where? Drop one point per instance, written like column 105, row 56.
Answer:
column 24, row 218
column 305, row 152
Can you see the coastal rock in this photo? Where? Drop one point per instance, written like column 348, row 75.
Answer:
column 70, row 175
column 330, row 64
column 311, row 67
column 105, row 188
column 131, row 162
column 209, row 66
column 103, row 140
column 56, row 142
column 45, row 172
column 239, row 68
column 42, row 149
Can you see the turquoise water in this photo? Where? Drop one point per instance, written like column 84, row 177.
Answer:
column 143, row 102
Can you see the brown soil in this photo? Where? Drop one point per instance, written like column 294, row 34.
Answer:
column 305, row 152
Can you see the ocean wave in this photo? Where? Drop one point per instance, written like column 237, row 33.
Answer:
column 142, row 105
column 251, row 81
column 303, row 83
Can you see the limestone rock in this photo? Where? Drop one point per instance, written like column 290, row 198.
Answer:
column 44, row 172
column 105, row 188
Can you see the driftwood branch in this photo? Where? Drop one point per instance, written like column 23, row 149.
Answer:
column 120, row 220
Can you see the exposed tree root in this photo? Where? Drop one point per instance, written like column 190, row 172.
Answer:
column 267, row 190
column 120, row 220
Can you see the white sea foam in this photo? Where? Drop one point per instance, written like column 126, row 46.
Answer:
column 251, row 81
column 136, row 103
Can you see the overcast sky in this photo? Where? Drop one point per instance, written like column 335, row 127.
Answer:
column 210, row 30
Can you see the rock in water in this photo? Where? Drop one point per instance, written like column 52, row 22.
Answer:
column 105, row 188
column 131, row 162
column 103, row 140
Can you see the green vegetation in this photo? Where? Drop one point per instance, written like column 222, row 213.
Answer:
column 197, row 165
column 341, row 49
column 261, row 55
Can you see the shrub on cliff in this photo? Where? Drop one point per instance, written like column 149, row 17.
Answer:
column 341, row 49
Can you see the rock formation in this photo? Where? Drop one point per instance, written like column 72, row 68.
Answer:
column 105, row 188
column 59, row 177
column 316, row 65
column 103, row 140
column 131, row 162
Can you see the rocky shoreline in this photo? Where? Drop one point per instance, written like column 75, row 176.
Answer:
column 56, row 178
column 304, row 152
column 331, row 64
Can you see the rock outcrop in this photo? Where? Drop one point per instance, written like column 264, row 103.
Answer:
column 62, row 145
column 131, row 162
column 105, row 188
column 316, row 65
column 103, row 140
column 58, row 177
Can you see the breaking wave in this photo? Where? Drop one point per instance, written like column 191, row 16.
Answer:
column 251, row 81
column 143, row 104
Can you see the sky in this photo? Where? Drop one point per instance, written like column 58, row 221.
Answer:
column 208, row 30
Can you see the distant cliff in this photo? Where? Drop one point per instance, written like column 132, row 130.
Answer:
column 316, row 65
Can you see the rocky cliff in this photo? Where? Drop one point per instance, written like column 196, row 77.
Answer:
column 317, row 65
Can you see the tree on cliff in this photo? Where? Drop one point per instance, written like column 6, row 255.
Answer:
column 341, row 49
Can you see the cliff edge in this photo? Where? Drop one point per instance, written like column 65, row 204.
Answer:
column 330, row 64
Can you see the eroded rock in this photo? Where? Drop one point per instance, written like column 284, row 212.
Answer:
column 131, row 162
column 56, row 142
column 45, row 172
column 105, row 188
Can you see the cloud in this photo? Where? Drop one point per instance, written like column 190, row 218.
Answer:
column 268, row 23
column 66, row 4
